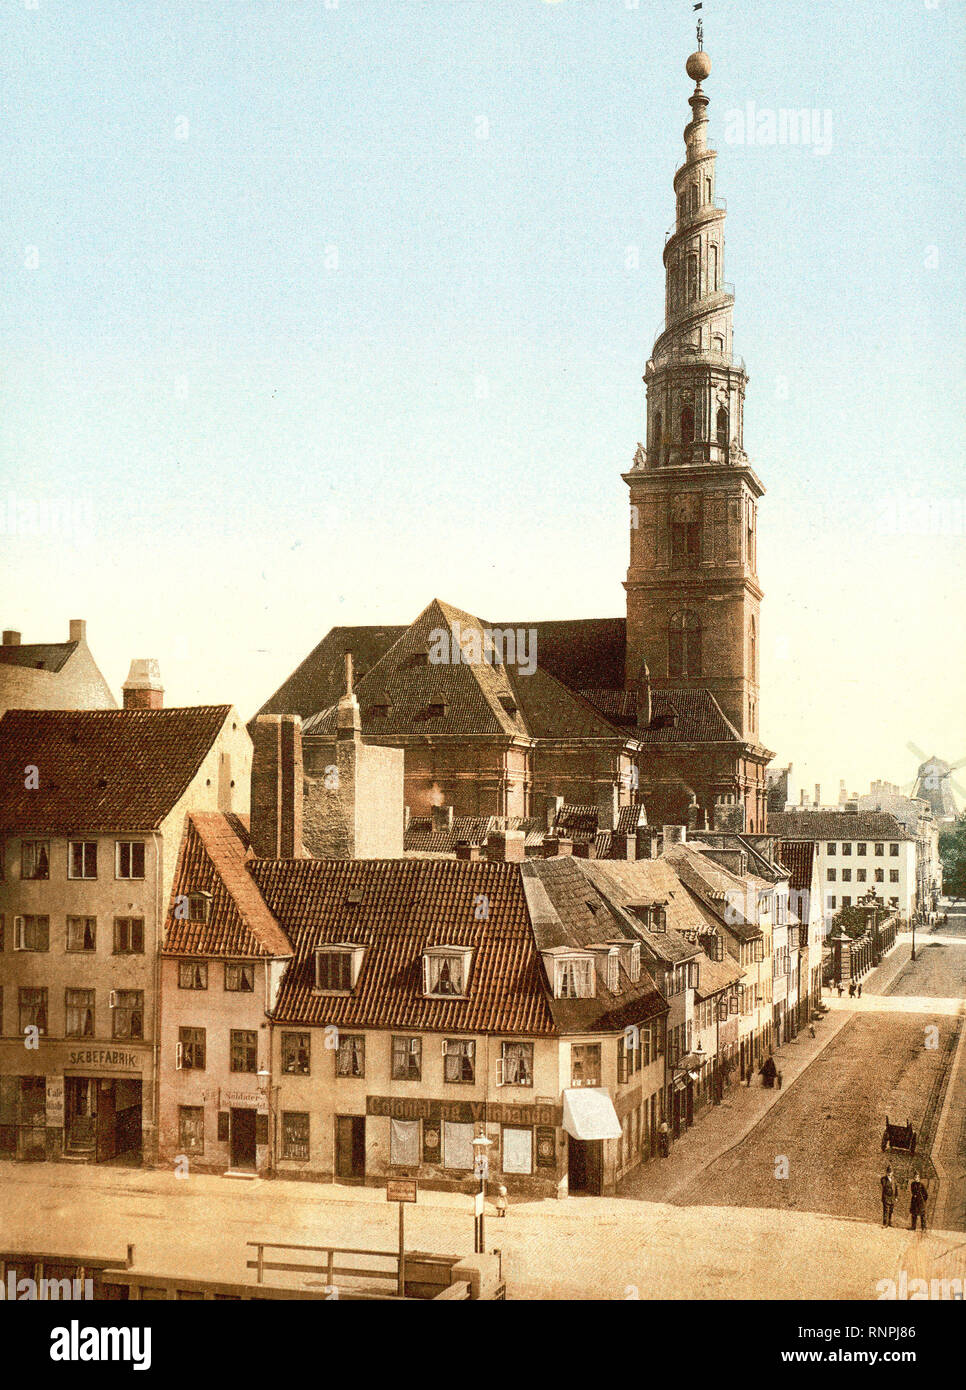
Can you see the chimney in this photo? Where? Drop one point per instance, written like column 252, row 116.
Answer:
column 553, row 805
column 11, row 638
column 464, row 850
column 729, row 815
column 506, row 846
column 694, row 816
column 585, row 849
column 801, row 800
column 143, row 688
column 78, row 630
column 818, row 793
column 674, row 834
column 648, row 842
column 277, row 787
column 348, row 720
column 442, row 818
column 623, row 846
column 556, row 847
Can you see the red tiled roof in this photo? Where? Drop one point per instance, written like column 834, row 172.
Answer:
column 405, row 906
column 798, row 856
column 101, row 770
column 213, row 859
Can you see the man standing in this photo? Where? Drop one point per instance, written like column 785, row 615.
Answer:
column 890, row 1191
column 918, row 1197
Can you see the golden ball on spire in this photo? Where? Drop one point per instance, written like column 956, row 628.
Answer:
column 699, row 66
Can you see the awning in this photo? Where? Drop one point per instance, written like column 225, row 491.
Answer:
column 590, row 1114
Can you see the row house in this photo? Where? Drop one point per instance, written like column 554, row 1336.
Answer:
column 856, row 851
column 805, row 896
column 92, row 807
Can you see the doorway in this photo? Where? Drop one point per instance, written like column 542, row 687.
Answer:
column 102, row 1118
column 350, row 1147
column 242, row 1147
column 585, row 1167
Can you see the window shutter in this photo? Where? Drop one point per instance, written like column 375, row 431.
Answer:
column 178, row 1055
column 112, row 999
column 19, row 929
column 500, row 1072
column 223, row 1126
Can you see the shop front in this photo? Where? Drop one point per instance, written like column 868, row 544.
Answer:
column 590, row 1120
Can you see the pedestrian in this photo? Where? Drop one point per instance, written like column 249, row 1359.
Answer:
column 811, row 1030
column 890, row 1191
column 860, row 991
column 501, row 1201
column 918, row 1197
column 664, row 1139
column 851, row 989
column 840, row 989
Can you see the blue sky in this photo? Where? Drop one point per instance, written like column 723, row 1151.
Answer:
column 317, row 312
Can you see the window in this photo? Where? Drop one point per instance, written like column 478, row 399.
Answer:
column 574, row 978
column 129, row 859
column 128, row 936
column 861, row 848
column 893, row 875
column 404, row 1142
column 80, row 1013
column 585, row 1064
column 894, row 902
column 458, row 1145
column 713, row 267
column 656, row 437
column 239, row 978
column 624, row 1061
column 199, row 906
column 846, row 901
column 459, row 1061
column 860, row 875
column 684, row 645
column 880, row 875
column 296, row 1053
column 445, row 972
column 846, row 875
column 351, row 1057
column 685, row 543
column 830, row 849
column 192, row 974
column 880, row 849
column 244, row 1050
column 128, row 1011
column 846, row 847
column 723, row 427
column 81, row 933
column 515, row 1066
column 295, row 1135
column 31, row 933
column 692, row 277
column 687, row 425
column 82, row 859
column 407, row 1059
column 831, row 901
column 830, row 875
column 337, row 968
column 517, row 1149
column 34, row 859
column 894, row 851
column 33, row 1009
column 191, row 1128
column 191, row 1049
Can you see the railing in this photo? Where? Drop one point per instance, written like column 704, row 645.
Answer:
column 328, row 1268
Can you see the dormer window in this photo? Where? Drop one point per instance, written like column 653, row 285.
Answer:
column 199, row 906
column 437, row 709
column 379, row 711
column 446, row 971
column 573, row 976
column 420, row 659
column 509, row 704
column 337, row 967
column 634, row 963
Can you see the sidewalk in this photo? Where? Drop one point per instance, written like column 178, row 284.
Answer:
column 724, row 1126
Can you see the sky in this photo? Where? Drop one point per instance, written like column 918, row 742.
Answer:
column 311, row 312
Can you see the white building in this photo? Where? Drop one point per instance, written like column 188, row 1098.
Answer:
column 856, row 850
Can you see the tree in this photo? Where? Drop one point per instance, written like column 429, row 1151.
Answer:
column 852, row 921
column 952, row 852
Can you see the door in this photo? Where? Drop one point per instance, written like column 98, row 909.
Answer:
column 243, row 1138
column 106, row 1119
column 350, row 1147
column 585, row 1166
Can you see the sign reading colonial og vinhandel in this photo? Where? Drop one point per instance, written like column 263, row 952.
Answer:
column 462, row 1111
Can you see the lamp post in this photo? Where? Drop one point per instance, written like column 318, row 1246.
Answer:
column 481, row 1166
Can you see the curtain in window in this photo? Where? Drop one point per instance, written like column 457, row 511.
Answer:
column 445, row 975
column 518, row 1064
column 458, row 1146
column 404, row 1141
column 517, row 1150
column 459, row 1060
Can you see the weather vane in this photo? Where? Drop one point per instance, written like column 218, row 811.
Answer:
column 700, row 27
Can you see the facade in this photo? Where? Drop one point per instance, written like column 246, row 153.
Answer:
column 52, row 675
column 90, row 837
column 917, row 815
column 806, row 899
column 856, row 850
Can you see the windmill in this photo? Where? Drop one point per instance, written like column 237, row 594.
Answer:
column 934, row 783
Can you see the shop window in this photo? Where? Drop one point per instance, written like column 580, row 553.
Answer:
column 81, row 933
column 585, row 1064
column 79, row 1005
column 295, row 1135
column 407, row 1058
column 296, row 1053
column 128, row 1013
column 191, row 1129
column 517, row 1150
column 192, row 974
column 404, row 1143
column 351, row 1057
column 128, row 936
column 35, row 859
column 31, row 933
column 243, row 1050
column 239, row 977
column 191, row 1049
column 458, row 1146
column 515, row 1064
column 82, row 859
column 33, row 1009
column 459, row 1061
column 129, row 859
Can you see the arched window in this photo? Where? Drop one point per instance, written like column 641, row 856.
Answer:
column 687, row 425
column 692, row 277
column 707, row 189
column 724, row 427
column 694, row 197
column 684, row 645
column 753, row 652
column 713, row 267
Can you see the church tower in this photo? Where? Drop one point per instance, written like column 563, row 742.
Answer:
column 692, row 586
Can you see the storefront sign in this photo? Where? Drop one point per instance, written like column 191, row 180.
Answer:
column 243, row 1100
column 462, row 1111
column 103, row 1059
column 401, row 1190
column 546, row 1147
column 55, row 1102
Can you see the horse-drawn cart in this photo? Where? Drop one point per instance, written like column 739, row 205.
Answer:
column 899, row 1137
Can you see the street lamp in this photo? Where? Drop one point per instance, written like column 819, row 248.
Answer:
column 481, row 1166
